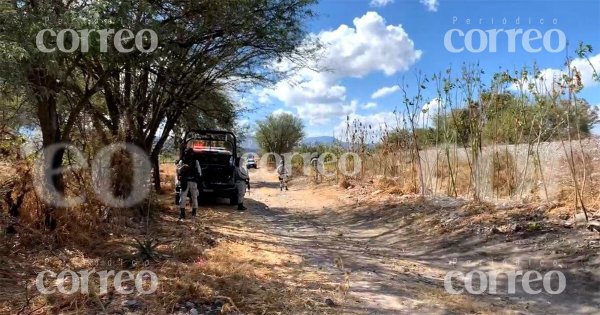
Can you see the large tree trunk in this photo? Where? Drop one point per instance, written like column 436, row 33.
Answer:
column 45, row 87
column 51, row 135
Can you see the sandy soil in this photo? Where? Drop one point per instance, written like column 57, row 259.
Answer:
column 387, row 254
column 321, row 249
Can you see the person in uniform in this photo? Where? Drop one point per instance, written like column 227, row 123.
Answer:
column 282, row 172
column 190, row 177
column 314, row 162
column 242, row 181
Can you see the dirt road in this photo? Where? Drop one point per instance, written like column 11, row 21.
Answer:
column 385, row 255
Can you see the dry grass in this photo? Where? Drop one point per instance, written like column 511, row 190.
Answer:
column 344, row 183
column 587, row 179
column 504, row 174
column 191, row 263
column 167, row 175
column 245, row 278
column 396, row 186
column 453, row 176
column 462, row 304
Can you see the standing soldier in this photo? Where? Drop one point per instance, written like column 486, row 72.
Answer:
column 314, row 162
column 282, row 172
column 242, row 180
column 190, row 176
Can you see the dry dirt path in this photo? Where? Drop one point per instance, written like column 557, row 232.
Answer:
column 380, row 262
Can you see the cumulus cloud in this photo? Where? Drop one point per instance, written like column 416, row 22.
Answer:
column 369, row 105
column 245, row 122
column 429, row 111
column 547, row 81
column 370, row 46
column 281, row 111
column 431, row 5
column 380, row 3
column 317, row 97
column 586, row 70
column 386, row 120
column 548, row 78
column 385, row 91
column 321, row 114
column 378, row 122
column 309, row 88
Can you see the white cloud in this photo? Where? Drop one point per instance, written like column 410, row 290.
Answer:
column 316, row 97
column 309, row 87
column 385, row 91
column 370, row 46
column 549, row 78
column 431, row 5
column 377, row 122
column 280, row 111
column 245, row 122
column 586, row 70
column 369, row 105
column 262, row 96
column 547, row 81
column 321, row 114
column 429, row 111
column 380, row 3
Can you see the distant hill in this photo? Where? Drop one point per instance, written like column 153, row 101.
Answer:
column 319, row 140
column 325, row 140
column 250, row 144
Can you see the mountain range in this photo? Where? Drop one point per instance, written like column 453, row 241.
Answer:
column 250, row 144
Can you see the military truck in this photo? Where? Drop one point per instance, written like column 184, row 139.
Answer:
column 216, row 151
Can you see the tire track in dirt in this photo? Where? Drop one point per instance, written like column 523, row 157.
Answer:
column 375, row 266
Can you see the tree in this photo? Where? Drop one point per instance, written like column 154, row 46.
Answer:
column 205, row 47
column 456, row 123
column 400, row 139
column 507, row 121
column 279, row 133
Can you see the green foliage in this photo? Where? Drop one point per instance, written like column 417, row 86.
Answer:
column 204, row 46
column 456, row 125
column 279, row 133
column 336, row 148
column 508, row 119
column 533, row 226
column 402, row 138
column 205, row 49
column 146, row 249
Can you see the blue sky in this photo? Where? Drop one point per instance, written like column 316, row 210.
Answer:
column 370, row 45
